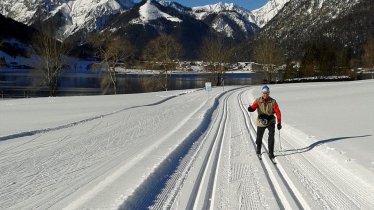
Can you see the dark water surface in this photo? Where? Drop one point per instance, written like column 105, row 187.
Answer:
column 16, row 83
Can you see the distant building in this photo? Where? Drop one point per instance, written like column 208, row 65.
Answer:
column 249, row 66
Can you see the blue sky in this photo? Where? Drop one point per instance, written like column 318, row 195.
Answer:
column 247, row 4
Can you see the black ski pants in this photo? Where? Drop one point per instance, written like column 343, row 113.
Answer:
column 260, row 134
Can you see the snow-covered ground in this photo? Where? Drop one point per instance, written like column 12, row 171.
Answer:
column 189, row 149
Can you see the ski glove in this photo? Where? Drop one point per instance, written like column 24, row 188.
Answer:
column 250, row 109
column 279, row 126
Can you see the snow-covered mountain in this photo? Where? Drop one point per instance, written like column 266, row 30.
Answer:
column 147, row 19
column 224, row 18
column 227, row 19
column 243, row 18
column 264, row 14
column 188, row 25
column 346, row 22
column 149, row 11
column 290, row 21
column 72, row 15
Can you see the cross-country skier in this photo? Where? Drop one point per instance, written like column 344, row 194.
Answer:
column 266, row 108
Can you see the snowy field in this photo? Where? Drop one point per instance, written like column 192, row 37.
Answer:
column 189, row 149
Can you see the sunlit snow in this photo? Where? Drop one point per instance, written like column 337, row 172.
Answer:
column 189, row 148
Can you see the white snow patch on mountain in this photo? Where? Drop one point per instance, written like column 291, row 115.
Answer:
column 150, row 12
column 19, row 8
column 264, row 14
column 242, row 17
column 202, row 12
column 220, row 26
column 83, row 14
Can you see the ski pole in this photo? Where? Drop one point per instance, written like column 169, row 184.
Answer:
column 280, row 144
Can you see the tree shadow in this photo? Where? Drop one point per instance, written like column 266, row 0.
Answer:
column 315, row 144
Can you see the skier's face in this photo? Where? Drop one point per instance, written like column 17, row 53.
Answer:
column 265, row 95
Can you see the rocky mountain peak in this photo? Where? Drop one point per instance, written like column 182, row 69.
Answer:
column 264, row 14
column 73, row 14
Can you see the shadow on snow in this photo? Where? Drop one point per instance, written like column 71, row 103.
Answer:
column 318, row 143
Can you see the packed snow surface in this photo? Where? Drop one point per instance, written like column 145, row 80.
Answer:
column 189, row 149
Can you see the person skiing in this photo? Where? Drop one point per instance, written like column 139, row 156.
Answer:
column 266, row 108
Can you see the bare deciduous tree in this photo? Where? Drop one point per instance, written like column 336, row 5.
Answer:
column 112, row 50
column 52, row 53
column 268, row 53
column 216, row 53
column 163, row 50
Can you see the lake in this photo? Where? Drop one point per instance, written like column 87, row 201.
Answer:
column 17, row 83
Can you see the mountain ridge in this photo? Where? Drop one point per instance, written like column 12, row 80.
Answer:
column 302, row 21
column 85, row 15
column 293, row 23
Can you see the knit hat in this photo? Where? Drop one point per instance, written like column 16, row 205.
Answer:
column 265, row 89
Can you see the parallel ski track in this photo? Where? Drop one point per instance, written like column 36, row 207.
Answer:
column 212, row 158
column 294, row 199
column 246, row 180
column 204, row 185
column 167, row 197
